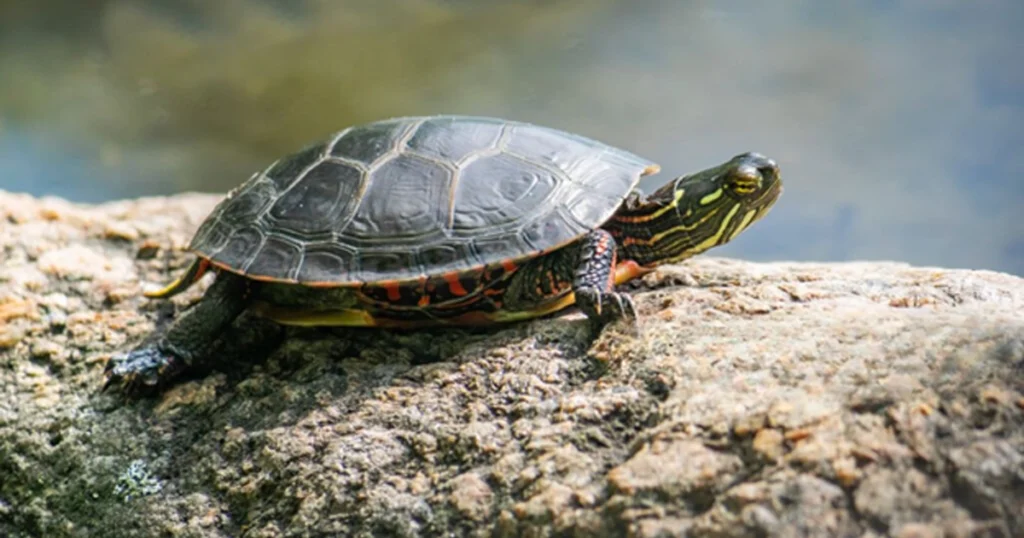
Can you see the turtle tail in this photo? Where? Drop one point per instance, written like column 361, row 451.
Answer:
column 182, row 283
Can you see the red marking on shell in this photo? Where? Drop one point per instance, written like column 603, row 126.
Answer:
column 204, row 265
column 393, row 289
column 454, row 284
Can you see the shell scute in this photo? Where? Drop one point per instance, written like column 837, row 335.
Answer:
column 407, row 197
column 285, row 171
column 315, row 202
column 481, row 201
column 368, row 143
column 438, row 139
column 278, row 259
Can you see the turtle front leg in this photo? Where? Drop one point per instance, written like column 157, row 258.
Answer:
column 594, row 281
column 155, row 364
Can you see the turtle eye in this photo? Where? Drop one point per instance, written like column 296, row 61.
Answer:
column 744, row 180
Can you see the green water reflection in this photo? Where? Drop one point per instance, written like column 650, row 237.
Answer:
column 897, row 123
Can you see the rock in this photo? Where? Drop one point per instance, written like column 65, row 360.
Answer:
column 471, row 496
column 762, row 399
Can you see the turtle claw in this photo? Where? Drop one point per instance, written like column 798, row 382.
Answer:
column 605, row 307
column 141, row 370
column 626, row 311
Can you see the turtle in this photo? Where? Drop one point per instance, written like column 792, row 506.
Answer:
column 443, row 220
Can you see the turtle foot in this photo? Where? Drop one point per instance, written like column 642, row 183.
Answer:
column 142, row 369
column 607, row 307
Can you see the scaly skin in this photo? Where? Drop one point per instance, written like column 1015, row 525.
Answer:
column 594, row 281
column 153, row 365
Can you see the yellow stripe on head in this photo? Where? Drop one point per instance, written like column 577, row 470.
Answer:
column 710, row 198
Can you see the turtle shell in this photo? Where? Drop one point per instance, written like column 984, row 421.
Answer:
column 405, row 198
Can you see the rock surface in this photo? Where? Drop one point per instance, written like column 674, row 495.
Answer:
column 784, row 399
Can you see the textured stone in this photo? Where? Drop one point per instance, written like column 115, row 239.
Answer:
column 790, row 399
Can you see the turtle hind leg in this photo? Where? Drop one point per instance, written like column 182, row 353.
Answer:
column 594, row 281
column 181, row 347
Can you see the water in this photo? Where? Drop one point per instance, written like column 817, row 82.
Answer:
column 897, row 123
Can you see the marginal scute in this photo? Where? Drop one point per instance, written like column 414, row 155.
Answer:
column 555, row 228
column 411, row 197
column 277, row 259
column 381, row 265
column 499, row 246
column 447, row 257
column 326, row 263
column 211, row 237
column 609, row 182
column 242, row 247
column 585, row 207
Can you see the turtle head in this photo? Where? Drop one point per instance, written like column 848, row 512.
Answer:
column 747, row 182
column 703, row 210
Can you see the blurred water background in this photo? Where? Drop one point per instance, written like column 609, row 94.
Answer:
column 898, row 124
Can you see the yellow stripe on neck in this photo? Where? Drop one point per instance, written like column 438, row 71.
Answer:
column 714, row 239
column 676, row 197
column 681, row 228
column 747, row 219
